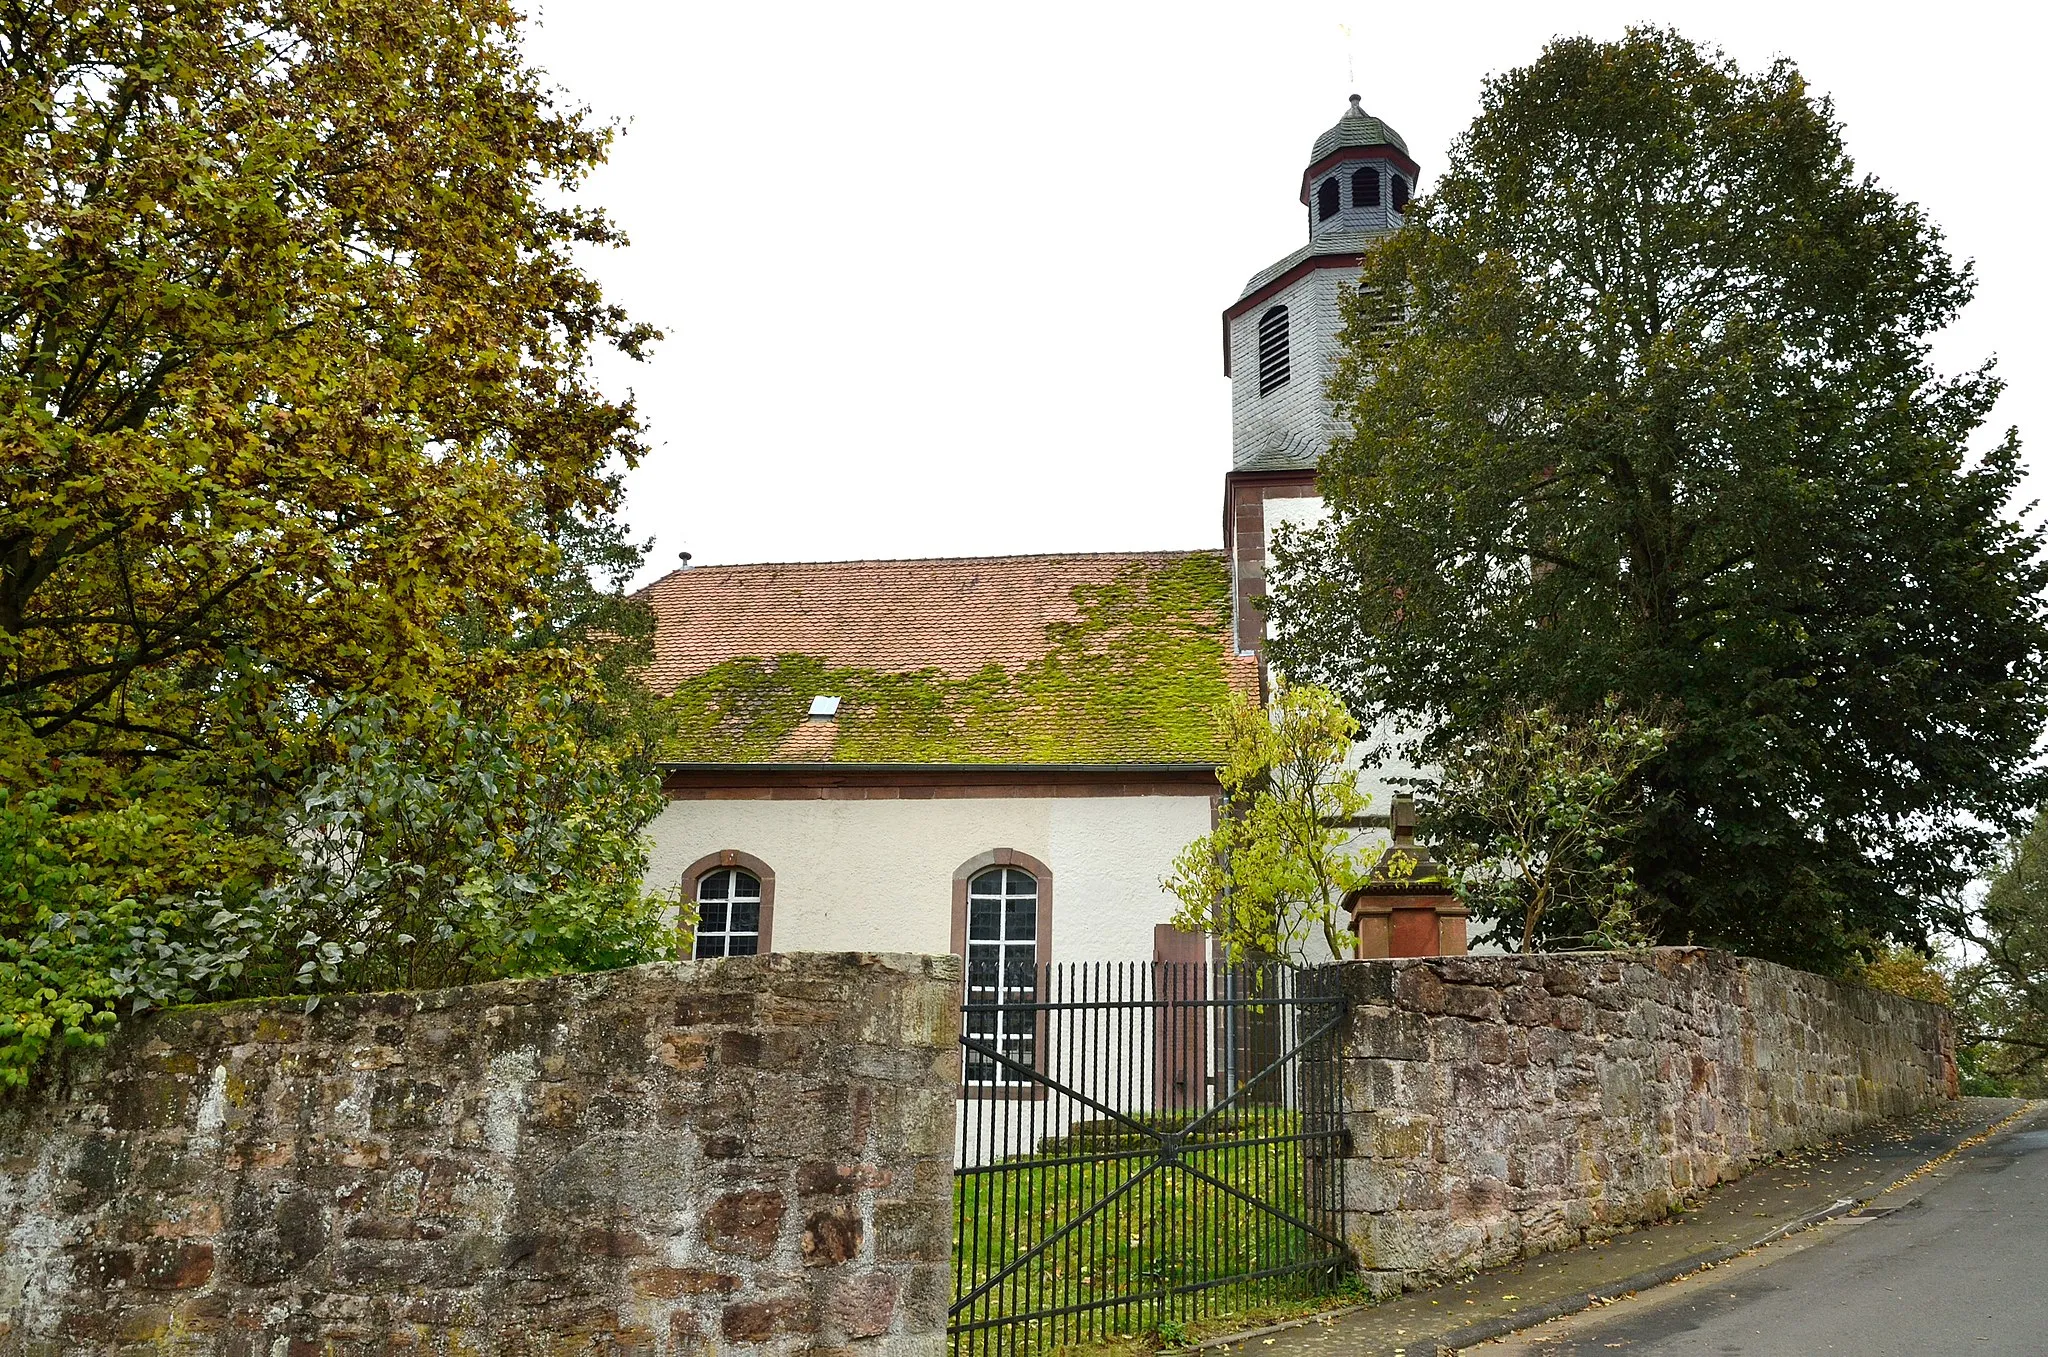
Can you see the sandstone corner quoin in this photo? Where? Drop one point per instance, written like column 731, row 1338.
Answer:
column 669, row 1159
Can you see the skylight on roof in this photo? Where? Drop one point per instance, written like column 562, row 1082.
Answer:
column 823, row 708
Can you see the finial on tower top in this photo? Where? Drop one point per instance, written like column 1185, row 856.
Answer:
column 1356, row 111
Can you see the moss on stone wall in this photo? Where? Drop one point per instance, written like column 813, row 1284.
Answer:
column 1136, row 678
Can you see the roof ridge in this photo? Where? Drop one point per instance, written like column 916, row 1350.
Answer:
column 941, row 560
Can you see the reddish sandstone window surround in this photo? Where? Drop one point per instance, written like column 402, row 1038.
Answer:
column 1042, row 874
column 753, row 866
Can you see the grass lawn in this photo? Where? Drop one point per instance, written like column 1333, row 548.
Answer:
column 1138, row 1245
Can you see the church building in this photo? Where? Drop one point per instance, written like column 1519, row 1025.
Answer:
column 1005, row 753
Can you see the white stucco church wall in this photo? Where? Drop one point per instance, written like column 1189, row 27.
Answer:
column 1299, row 513
column 868, row 875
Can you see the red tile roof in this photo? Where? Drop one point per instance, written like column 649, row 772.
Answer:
column 954, row 615
column 951, row 617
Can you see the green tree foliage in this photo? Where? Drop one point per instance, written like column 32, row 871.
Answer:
column 1904, row 970
column 1641, row 403
column 434, row 847
column 67, row 923
column 1536, row 816
column 1273, row 874
column 294, row 353
column 306, row 504
column 2001, row 985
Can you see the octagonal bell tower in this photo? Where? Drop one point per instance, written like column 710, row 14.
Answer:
column 1279, row 346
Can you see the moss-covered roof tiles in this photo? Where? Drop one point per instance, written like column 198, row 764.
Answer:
column 1096, row 659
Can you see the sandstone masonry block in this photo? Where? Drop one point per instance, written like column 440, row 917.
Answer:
column 748, row 1155
column 1502, row 1106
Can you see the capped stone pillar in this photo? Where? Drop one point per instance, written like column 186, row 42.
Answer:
column 1408, row 907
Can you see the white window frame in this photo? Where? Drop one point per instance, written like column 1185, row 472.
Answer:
column 1014, row 952
column 725, row 935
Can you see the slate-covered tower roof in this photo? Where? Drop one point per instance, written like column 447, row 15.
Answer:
column 1356, row 128
column 1278, row 336
column 1279, row 349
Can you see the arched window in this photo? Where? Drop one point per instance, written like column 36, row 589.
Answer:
column 1002, row 974
column 728, row 913
column 1326, row 199
column 1365, row 187
column 1400, row 194
column 1273, row 366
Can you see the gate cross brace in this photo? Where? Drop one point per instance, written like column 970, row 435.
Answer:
column 1169, row 1145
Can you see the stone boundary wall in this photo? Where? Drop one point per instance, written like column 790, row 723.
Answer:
column 1503, row 1106
column 750, row 1155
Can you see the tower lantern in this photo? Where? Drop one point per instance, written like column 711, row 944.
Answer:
column 1359, row 177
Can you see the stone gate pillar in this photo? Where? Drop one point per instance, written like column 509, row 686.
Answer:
column 1408, row 908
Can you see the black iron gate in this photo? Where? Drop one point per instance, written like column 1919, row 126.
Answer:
column 1141, row 1145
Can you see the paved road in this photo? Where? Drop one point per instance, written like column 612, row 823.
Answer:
column 1960, row 1264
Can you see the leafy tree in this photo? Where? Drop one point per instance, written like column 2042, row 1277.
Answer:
column 2001, row 986
column 1536, row 816
column 1902, row 970
column 299, row 448
column 292, row 357
column 1273, row 874
column 1640, row 403
column 435, row 848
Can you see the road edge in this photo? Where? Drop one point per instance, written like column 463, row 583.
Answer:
column 1456, row 1341
column 1471, row 1335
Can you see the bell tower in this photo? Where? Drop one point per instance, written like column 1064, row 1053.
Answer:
column 1279, row 347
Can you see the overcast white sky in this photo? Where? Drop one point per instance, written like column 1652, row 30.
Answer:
column 946, row 279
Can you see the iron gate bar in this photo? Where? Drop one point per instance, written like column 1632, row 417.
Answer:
column 1112, row 1156
column 1076, row 1223
column 1037, row 1078
column 1133, row 1055
column 1140, row 1127
column 1140, row 1176
column 1283, row 1059
column 1114, row 1005
column 1267, row 1207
